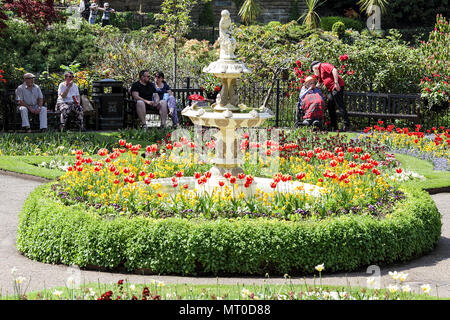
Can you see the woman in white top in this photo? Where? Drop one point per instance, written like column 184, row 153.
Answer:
column 69, row 101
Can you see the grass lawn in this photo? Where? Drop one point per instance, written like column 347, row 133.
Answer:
column 434, row 179
column 29, row 165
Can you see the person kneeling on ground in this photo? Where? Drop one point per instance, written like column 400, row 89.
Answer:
column 166, row 94
column 144, row 92
column 30, row 99
column 310, row 105
column 69, row 101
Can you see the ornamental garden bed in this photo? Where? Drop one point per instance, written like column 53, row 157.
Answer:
column 108, row 210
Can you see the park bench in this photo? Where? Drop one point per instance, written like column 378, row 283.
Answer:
column 12, row 121
column 383, row 105
column 181, row 96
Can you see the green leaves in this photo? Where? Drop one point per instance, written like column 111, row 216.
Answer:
column 249, row 11
column 51, row 232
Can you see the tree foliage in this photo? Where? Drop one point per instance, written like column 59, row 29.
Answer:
column 37, row 13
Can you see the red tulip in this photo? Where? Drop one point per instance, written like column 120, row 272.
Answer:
column 300, row 175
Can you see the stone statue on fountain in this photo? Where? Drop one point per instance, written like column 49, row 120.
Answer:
column 226, row 39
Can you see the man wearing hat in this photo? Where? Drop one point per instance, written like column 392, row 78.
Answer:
column 30, row 99
column 328, row 75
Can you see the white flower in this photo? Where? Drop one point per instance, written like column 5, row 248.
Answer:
column 402, row 276
column 20, row 280
column 326, row 295
column 343, row 294
column 320, row 267
column 13, row 270
column 370, row 281
column 245, row 293
column 406, row 288
column 394, row 275
column 393, row 288
column 57, row 293
column 70, row 281
column 334, row 295
column 132, row 287
column 426, row 288
column 160, row 284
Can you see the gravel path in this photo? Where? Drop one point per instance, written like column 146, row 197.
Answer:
column 433, row 268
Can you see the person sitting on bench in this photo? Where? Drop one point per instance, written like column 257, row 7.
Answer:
column 69, row 101
column 30, row 99
column 165, row 93
column 311, row 104
column 144, row 92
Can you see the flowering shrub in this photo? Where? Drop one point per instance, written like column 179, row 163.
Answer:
column 39, row 14
column 2, row 79
column 211, row 84
column 435, row 85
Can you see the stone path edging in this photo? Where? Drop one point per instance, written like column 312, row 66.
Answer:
column 433, row 268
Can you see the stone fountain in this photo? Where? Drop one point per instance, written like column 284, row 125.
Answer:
column 227, row 114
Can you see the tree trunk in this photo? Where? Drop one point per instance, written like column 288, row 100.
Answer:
column 275, row 76
column 175, row 62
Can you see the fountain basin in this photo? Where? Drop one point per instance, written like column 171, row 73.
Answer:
column 259, row 185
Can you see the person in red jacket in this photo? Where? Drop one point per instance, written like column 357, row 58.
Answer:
column 328, row 75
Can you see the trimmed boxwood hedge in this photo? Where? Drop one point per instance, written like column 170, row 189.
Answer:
column 326, row 23
column 53, row 233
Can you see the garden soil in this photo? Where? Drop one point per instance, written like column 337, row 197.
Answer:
column 433, row 268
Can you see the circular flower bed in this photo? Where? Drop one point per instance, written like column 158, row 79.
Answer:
column 112, row 211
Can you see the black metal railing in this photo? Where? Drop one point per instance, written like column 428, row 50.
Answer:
column 361, row 105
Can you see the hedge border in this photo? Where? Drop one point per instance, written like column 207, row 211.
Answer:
column 50, row 232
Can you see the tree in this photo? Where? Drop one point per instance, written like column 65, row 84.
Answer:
column 38, row 13
column 249, row 11
column 310, row 16
column 366, row 5
column 177, row 20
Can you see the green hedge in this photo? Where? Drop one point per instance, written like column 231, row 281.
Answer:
column 326, row 23
column 52, row 233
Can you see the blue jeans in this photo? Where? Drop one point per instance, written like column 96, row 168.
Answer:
column 172, row 106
